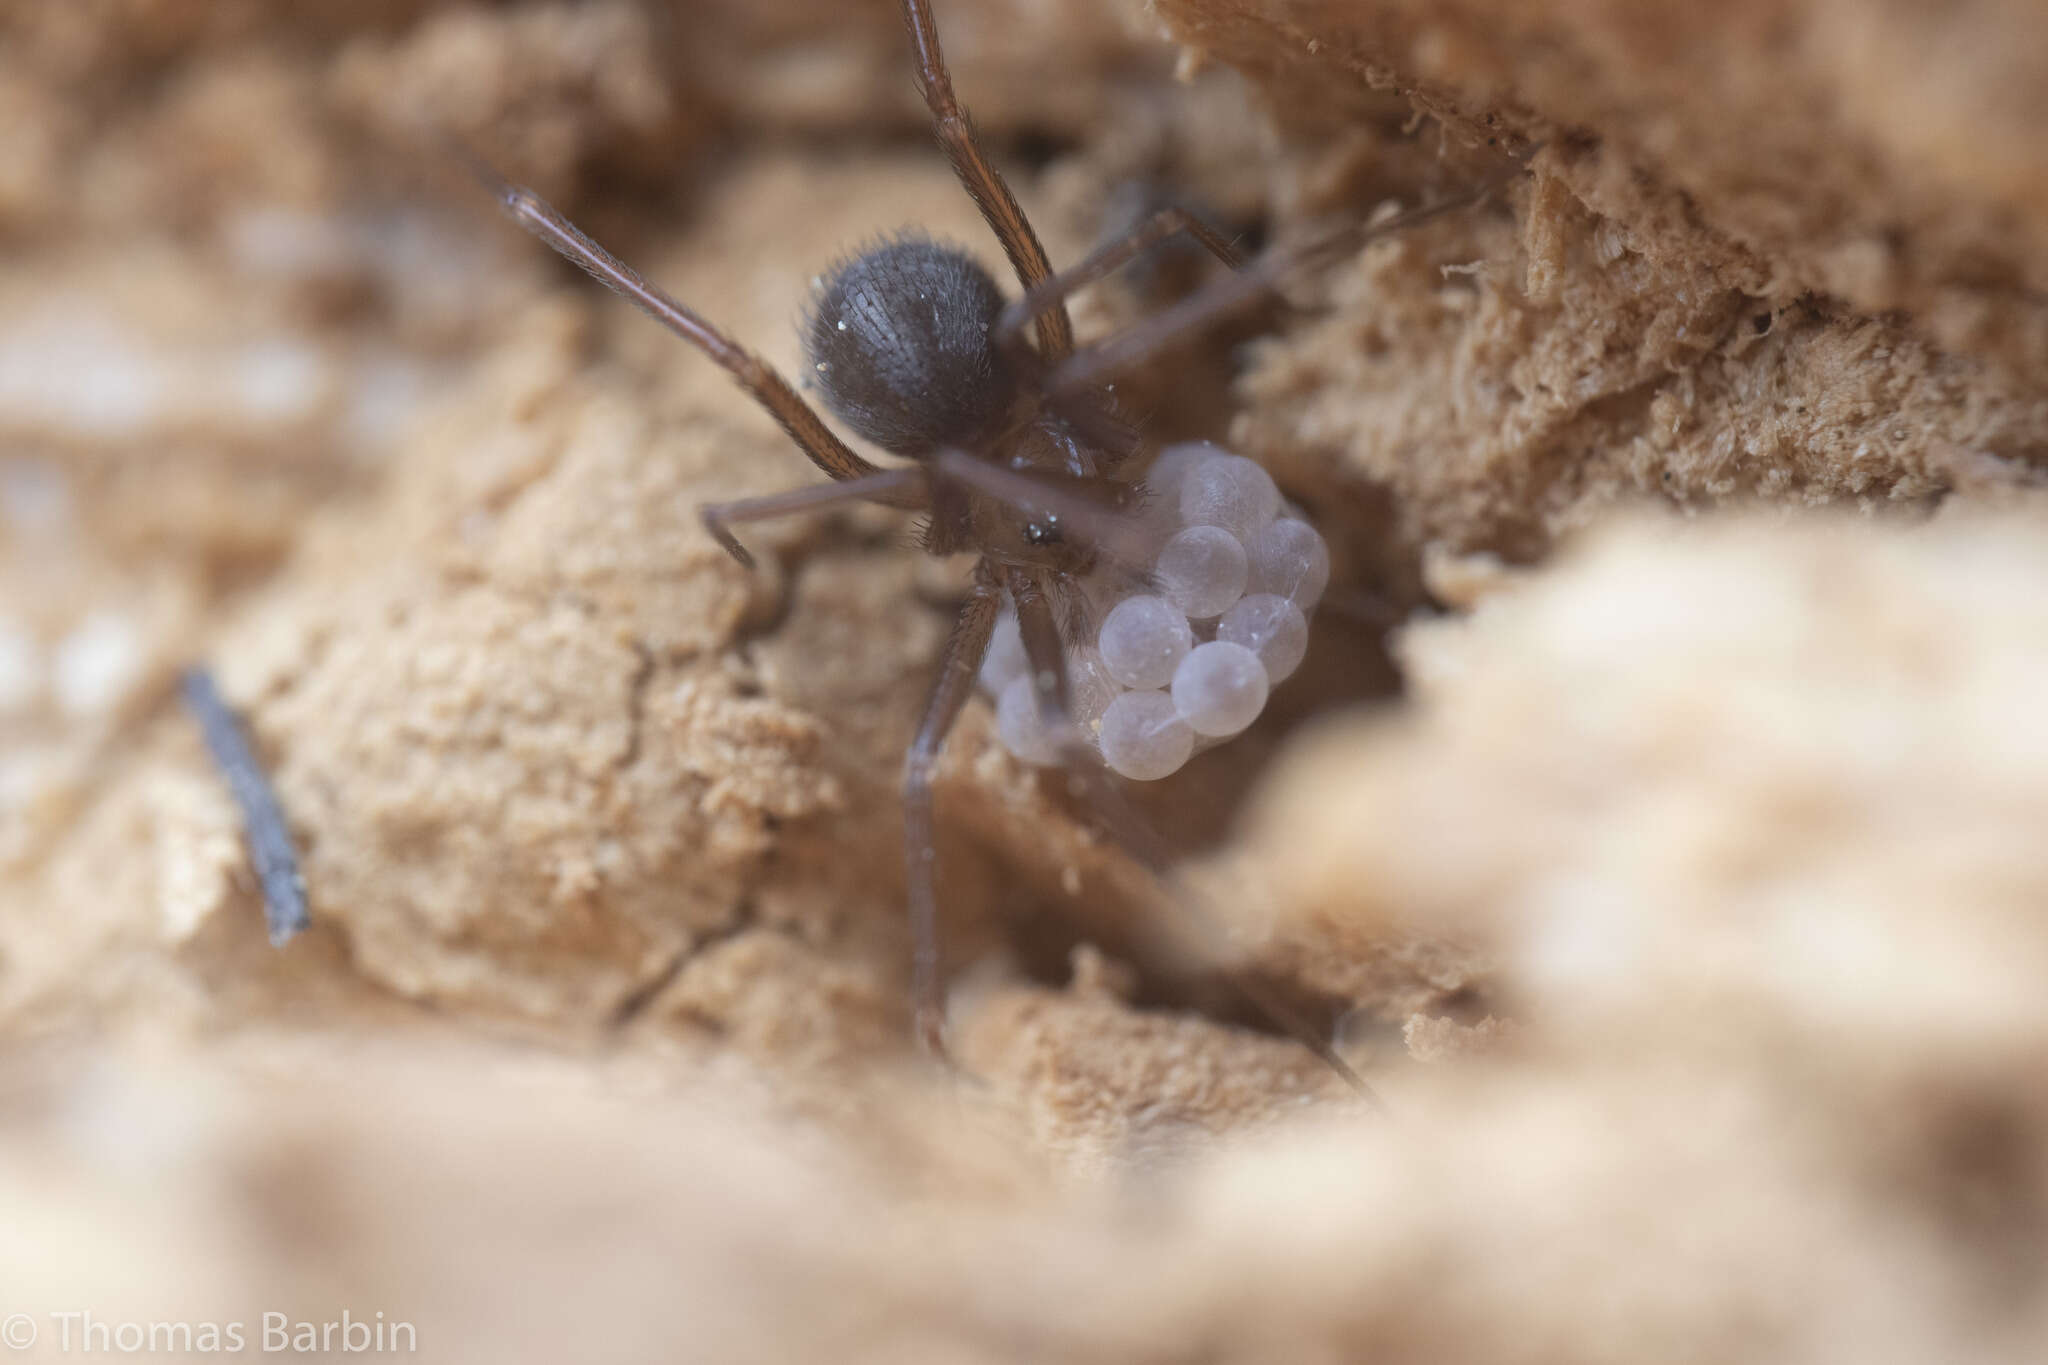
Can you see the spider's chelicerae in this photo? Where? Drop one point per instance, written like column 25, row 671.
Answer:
column 1119, row 625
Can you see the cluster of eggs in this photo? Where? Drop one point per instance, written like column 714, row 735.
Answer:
column 1186, row 652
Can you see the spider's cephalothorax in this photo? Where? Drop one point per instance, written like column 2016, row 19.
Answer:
column 899, row 344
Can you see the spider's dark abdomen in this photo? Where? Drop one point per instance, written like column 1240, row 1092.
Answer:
column 899, row 347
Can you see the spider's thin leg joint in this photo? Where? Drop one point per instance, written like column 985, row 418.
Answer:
column 949, row 695
column 712, row 515
column 530, row 210
column 264, row 826
column 927, row 991
column 903, row 488
column 928, row 996
column 757, row 377
column 521, row 204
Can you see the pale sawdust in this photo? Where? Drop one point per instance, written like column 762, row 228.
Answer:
column 1880, row 154
column 1590, row 361
column 1762, row 255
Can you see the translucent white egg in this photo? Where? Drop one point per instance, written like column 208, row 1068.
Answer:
column 1143, row 736
column 1202, row 571
column 1142, row 640
column 1290, row 560
column 1229, row 491
column 1021, row 728
column 1005, row 657
column 1219, row 688
column 1163, row 477
column 1271, row 627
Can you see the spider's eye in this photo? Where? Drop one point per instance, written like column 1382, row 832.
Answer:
column 1044, row 531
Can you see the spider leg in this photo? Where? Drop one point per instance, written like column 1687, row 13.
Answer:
column 983, row 183
column 753, row 374
column 1087, row 370
column 1112, row 255
column 1081, row 408
column 884, row 486
column 263, row 822
column 951, row 690
column 1044, row 650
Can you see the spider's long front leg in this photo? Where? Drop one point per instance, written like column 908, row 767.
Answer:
column 984, row 184
column 755, row 375
column 1078, row 407
column 1090, row 369
column 1110, row 256
column 950, row 693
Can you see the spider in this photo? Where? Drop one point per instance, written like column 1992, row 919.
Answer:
column 1013, row 451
